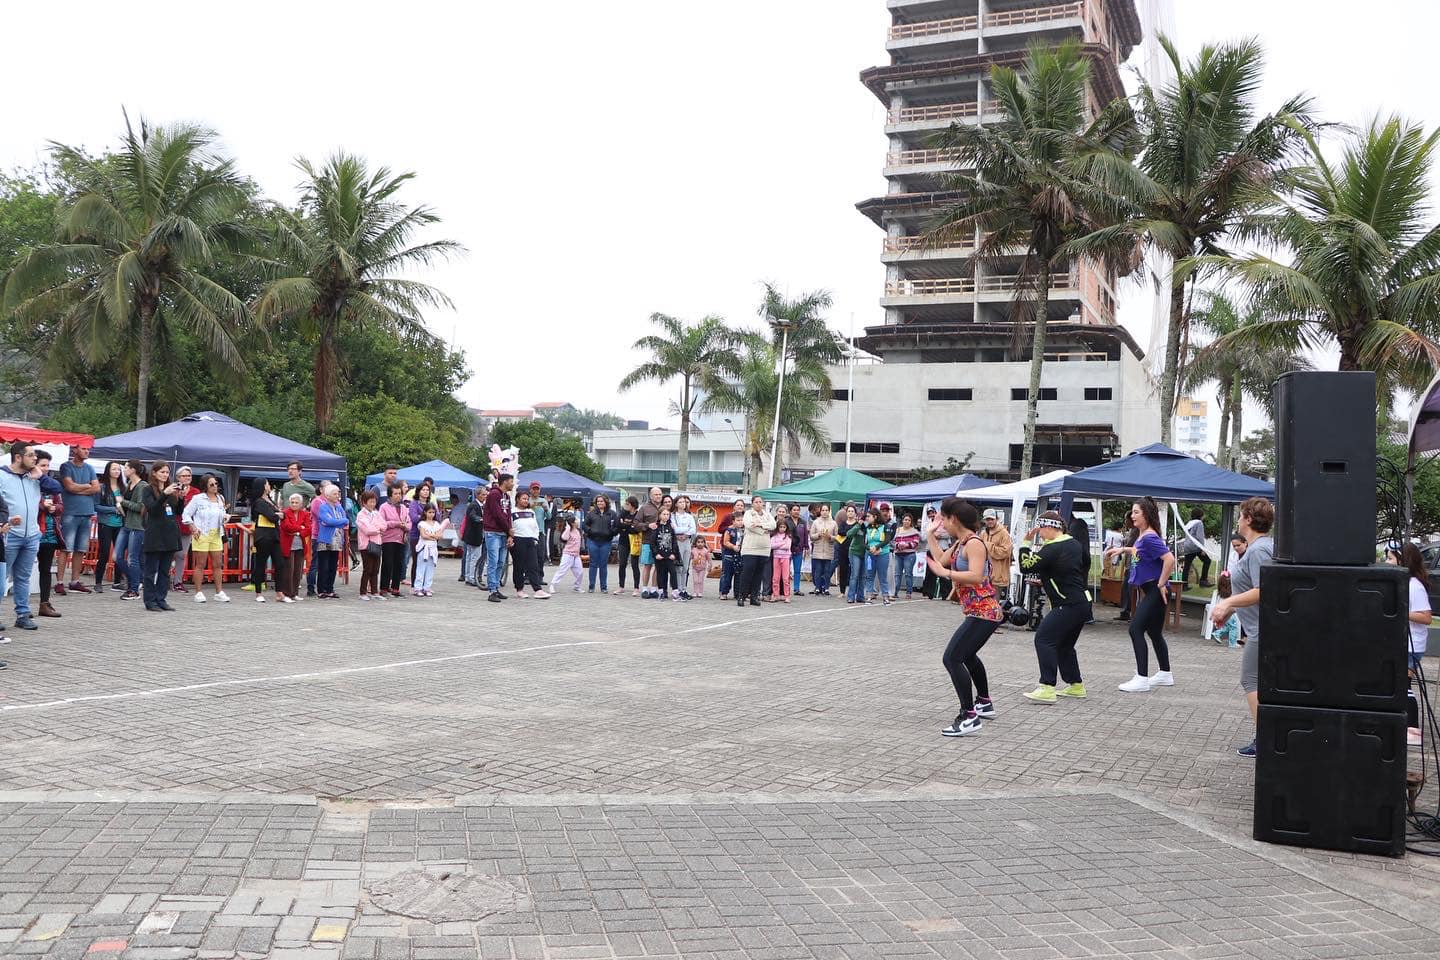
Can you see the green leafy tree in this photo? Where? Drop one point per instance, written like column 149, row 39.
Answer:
column 950, row 468
column 583, row 422
column 94, row 413
column 336, row 263
column 752, row 389
column 811, row 347
column 1363, row 266
column 1206, row 163
column 1034, row 181
column 370, row 432
column 541, row 445
column 1257, row 452
column 698, row 356
column 131, row 271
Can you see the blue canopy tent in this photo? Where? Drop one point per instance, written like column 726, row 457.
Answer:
column 212, row 441
column 928, row 491
column 559, row 482
column 439, row 471
column 1163, row 473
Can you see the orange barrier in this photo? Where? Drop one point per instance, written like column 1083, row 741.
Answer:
column 235, row 562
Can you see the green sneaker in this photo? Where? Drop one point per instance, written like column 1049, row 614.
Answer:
column 1045, row 693
column 1076, row 690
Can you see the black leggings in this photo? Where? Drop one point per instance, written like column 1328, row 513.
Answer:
column 46, row 556
column 1055, row 642
column 392, row 566
column 525, row 558
column 665, row 578
column 267, row 548
column 751, row 571
column 842, row 568
column 626, row 557
column 1149, row 618
column 1204, row 559
column 107, row 546
column 962, row 660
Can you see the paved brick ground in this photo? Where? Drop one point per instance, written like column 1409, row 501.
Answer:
column 633, row 716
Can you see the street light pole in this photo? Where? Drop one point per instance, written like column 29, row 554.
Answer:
column 850, row 392
column 779, row 395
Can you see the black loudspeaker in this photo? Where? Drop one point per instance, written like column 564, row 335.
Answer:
column 1335, row 637
column 1325, row 468
column 1333, row 779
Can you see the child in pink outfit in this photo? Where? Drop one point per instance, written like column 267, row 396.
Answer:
column 699, row 565
column 572, row 536
column 780, row 560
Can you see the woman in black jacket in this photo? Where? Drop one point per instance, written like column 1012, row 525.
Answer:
column 601, row 525
column 626, row 527
column 160, row 500
column 265, row 518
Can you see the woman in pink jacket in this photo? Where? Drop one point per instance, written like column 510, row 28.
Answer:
column 396, row 517
column 370, row 533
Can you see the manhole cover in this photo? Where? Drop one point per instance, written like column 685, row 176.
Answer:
column 423, row 895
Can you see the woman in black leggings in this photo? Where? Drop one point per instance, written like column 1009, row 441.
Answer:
column 1060, row 564
column 625, row 556
column 966, row 565
column 1151, row 574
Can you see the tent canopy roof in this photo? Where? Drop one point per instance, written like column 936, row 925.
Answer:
column 212, row 439
column 1425, row 420
column 832, row 486
column 1163, row 473
column 1021, row 490
column 927, row 490
column 441, row 472
column 559, row 482
column 10, row 432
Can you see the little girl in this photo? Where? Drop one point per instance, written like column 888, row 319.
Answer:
column 571, row 536
column 1229, row 633
column 699, row 564
column 427, row 552
column 666, row 556
column 780, row 543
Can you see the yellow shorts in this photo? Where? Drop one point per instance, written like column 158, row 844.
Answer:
column 208, row 542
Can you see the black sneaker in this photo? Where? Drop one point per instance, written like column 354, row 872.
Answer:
column 754, row 603
column 495, row 597
column 25, row 623
column 3, row 664
column 166, row 607
column 1248, row 751
column 984, row 709
column 963, row 726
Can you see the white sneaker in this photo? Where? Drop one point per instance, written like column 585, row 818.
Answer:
column 1137, row 684
column 220, row 595
column 542, row 594
column 1163, row 678
column 287, row 599
column 199, row 597
column 259, row 598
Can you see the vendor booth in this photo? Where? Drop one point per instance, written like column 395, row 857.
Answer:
column 559, row 482
column 438, row 472
column 835, row 487
column 929, row 491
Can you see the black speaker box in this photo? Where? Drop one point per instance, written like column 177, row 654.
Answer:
column 1325, row 468
column 1335, row 637
column 1331, row 779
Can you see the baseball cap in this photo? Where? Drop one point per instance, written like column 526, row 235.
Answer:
column 992, row 514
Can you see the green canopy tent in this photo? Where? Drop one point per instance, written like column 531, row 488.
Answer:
column 834, row 487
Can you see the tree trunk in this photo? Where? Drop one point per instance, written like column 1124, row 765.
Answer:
column 325, row 362
column 682, row 455
column 1222, row 450
column 1037, row 364
column 1349, row 351
column 147, row 359
column 1172, row 361
column 1237, row 410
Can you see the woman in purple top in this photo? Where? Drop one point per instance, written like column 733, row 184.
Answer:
column 1151, row 573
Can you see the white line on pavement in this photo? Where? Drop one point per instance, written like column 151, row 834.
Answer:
column 397, row 664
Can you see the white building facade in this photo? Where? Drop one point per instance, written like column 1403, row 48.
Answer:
column 635, row 458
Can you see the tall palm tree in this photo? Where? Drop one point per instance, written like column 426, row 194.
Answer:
column 129, row 272
column 337, row 262
column 1241, row 373
column 1033, row 181
column 698, row 356
column 1363, row 268
column 1206, row 162
column 809, row 343
column 752, row 388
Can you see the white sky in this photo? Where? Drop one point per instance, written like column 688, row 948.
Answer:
column 600, row 161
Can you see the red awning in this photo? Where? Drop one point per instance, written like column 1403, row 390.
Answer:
column 10, row 432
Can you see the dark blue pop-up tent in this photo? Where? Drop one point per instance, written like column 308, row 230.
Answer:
column 1163, row 473
column 559, row 482
column 928, row 491
column 212, row 440
column 439, row 471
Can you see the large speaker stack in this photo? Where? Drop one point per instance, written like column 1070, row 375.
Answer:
column 1331, row 749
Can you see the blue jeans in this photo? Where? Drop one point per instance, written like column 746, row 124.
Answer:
column 600, row 561
column 729, row 571
column 128, row 546
column 880, row 563
column 904, row 573
column 820, row 574
column 797, row 565
column 473, row 557
column 858, row 569
column 20, row 555
column 495, row 551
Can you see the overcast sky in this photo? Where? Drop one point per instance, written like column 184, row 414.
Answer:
column 600, row 161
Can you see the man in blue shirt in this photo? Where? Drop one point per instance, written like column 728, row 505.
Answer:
column 80, row 485
column 21, row 492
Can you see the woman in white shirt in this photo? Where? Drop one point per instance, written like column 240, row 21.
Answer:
column 206, row 516
column 1421, row 616
column 682, row 521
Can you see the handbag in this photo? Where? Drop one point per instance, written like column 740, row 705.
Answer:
column 372, row 549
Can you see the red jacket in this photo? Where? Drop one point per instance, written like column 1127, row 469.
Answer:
column 295, row 523
column 497, row 512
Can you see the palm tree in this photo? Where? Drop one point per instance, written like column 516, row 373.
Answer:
column 1240, row 372
column 751, row 388
column 130, row 271
column 336, row 263
column 1364, row 269
column 1033, row 181
column 698, row 356
column 810, row 345
column 1206, row 162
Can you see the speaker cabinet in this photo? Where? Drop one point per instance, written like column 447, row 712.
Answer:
column 1335, row 637
column 1325, row 468
column 1332, row 779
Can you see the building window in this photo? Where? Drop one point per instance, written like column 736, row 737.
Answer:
column 1020, row 393
column 840, row 395
column 856, row 447
column 951, row 393
column 1098, row 393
